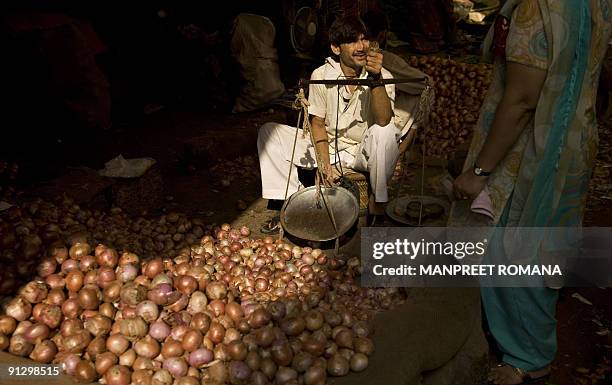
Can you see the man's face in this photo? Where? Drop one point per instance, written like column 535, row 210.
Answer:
column 353, row 54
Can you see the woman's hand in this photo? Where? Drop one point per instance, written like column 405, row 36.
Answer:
column 468, row 185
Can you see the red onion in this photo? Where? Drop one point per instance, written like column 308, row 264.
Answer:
column 160, row 294
column 7, row 324
column 98, row 325
column 134, row 327
column 127, row 273
column 69, row 265
column 87, row 263
column 162, row 377
column 77, row 342
column 71, row 326
column 159, row 330
column 36, row 333
column 176, row 366
column 132, row 294
column 200, row 357
column 88, row 298
column 128, row 358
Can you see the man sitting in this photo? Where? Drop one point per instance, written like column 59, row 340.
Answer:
column 352, row 126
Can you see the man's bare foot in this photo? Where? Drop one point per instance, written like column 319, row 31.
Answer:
column 506, row 374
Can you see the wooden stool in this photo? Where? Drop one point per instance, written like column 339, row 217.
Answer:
column 362, row 180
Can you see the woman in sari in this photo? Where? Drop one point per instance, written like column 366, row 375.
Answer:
column 533, row 150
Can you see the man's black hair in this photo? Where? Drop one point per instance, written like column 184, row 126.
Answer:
column 346, row 29
column 376, row 22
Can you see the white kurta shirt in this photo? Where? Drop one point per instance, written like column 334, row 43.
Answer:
column 353, row 110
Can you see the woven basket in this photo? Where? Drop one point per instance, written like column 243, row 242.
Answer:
column 361, row 181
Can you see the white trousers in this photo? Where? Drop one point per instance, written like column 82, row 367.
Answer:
column 377, row 154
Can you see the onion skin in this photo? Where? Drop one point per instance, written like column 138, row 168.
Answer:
column 88, row 299
column 147, row 347
column 142, row 377
column 316, row 375
column 134, row 327
column 192, row 340
column 172, row 348
column 239, row 372
column 159, row 330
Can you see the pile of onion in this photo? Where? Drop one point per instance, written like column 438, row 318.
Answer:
column 224, row 309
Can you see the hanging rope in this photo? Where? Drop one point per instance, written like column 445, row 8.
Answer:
column 301, row 103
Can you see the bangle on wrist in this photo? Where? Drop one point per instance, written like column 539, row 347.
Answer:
column 478, row 171
column 322, row 141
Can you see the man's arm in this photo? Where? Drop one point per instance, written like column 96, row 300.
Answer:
column 380, row 104
column 321, row 144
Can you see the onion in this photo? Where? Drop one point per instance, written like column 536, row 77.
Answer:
column 277, row 310
column 134, row 327
column 98, row 325
column 176, row 366
column 129, row 258
column 105, row 361
column 107, row 310
column 87, row 264
column 106, row 257
column 79, row 250
column 18, row 308
column 316, row 375
column 237, row 350
column 96, row 347
column 162, row 377
column 285, row 375
column 142, row 377
column 126, row 273
column 200, row 357
column 46, row 267
column 4, row 342
column 216, row 332
column 197, row 302
column 218, row 373
column 363, row 345
column 259, row 318
column 76, row 342
column 70, row 327
column 152, row 268
column 19, row 346
column 143, row 363
column 160, row 294
column 359, row 362
column 7, row 324
column 234, row 311
column 201, row 322
column 186, row 284
column 314, row 320
column 68, row 362
column 344, row 339
column 216, row 290
column 56, row 296
column 71, row 308
column 44, row 352
column 281, row 353
column 117, row 344
column 36, row 333
column 337, row 365
column 159, row 330
column 147, row 347
column 293, row 326
column 127, row 358
column 88, row 298
column 172, row 348
column 239, row 372
column 147, row 310
column 192, row 340
column 132, row 294
column 84, row 371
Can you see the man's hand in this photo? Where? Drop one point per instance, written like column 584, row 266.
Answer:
column 374, row 62
column 468, row 185
column 330, row 174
